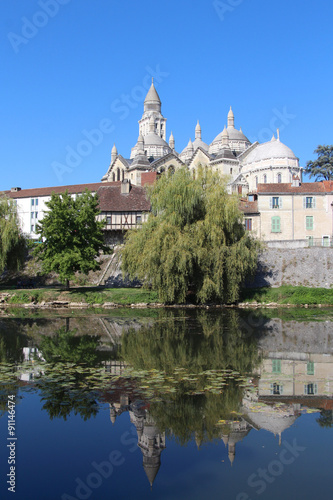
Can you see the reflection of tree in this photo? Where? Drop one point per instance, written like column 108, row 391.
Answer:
column 198, row 342
column 62, row 390
column 65, row 346
column 61, row 401
column 325, row 419
column 11, row 346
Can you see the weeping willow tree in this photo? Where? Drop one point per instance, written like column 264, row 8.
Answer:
column 12, row 241
column 194, row 241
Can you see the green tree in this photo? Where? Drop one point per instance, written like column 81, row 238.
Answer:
column 322, row 168
column 71, row 235
column 194, row 240
column 12, row 241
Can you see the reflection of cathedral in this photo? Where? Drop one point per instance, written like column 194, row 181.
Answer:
column 150, row 440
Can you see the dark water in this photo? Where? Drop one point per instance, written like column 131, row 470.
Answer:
column 167, row 405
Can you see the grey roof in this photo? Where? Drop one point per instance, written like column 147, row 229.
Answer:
column 198, row 143
column 267, row 150
column 234, row 135
column 152, row 95
column 152, row 139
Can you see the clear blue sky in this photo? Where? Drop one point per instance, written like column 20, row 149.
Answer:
column 67, row 67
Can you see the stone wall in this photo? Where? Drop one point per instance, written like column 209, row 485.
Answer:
column 311, row 267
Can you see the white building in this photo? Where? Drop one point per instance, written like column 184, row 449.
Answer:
column 230, row 153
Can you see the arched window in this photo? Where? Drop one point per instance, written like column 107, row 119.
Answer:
column 171, row 169
column 265, row 179
column 122, row 175
column 118, row 174
column 256, row 181
column 113, row 177
column 279, row 178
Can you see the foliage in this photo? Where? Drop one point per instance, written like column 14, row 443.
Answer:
column 71, row 235
column 322, row 168
column 193, row 242
column 12, row 241
column 288, row 294
column 66, row 347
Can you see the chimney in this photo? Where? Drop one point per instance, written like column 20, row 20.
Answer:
column 125, row 186
column 15, row 189
column 295, row 182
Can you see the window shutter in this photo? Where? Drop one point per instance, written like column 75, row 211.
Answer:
column 315, row 389
column 271, row 202
column 304, row 201
column 280, row 202
column 305, row 389
column 314, row 202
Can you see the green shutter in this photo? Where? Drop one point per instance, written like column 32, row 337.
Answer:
column 310, row 368
column 309, row 222
column 276, row 225
column 276, row 365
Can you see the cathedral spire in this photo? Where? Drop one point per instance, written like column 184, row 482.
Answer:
column 152, row 100
column 225, row 138
column 231, row 119
column 198, row 131
column 172, row 141
column 114, row 153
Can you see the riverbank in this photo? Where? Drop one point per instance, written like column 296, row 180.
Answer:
column 84, row 297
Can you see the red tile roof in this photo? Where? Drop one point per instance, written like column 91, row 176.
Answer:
column 249, row 207
column 304, row 187
column 111, row 199
column 47, row 191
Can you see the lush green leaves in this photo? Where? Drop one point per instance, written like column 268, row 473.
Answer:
column 194, row 241
column 72, row 236
column 322, row 168
column 12, row 241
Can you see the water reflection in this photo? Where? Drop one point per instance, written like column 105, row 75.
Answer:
column 179, row 375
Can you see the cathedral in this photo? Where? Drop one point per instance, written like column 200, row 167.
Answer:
column 245, row 165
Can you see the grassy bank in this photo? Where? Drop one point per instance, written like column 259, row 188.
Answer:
column 93, row 295
column 127, row 296
column 288, row 294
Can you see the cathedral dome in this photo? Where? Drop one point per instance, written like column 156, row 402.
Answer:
column 268, row 150
column 152, row 139
column 234, row 135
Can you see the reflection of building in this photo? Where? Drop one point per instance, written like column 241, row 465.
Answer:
column 237, row 433
column 150, row 440
column 31, row 354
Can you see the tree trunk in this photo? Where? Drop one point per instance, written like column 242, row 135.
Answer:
column 67, row 284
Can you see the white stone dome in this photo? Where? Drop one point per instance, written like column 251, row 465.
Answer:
column 234, row 135
column 268, row 150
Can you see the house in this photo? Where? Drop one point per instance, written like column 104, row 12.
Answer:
column 122, row 205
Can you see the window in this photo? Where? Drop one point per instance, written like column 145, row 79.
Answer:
column 276, row 225
column 248, row 224
column 276, row 388
column 276, row 365
column 279, row 178
column 256, row 181
column 36, row 215
column 265, row 179
column 32, row 214
column 309, row 223
column 138, row 218
column 310, row 368
column 326, row 241
column 108, row 219
column 275, row 202
column 230, row 170
column 310, row 389
column 34, row 202
column 309, row 202
column 32, row 228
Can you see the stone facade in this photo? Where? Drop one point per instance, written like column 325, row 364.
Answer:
column 230, row 153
